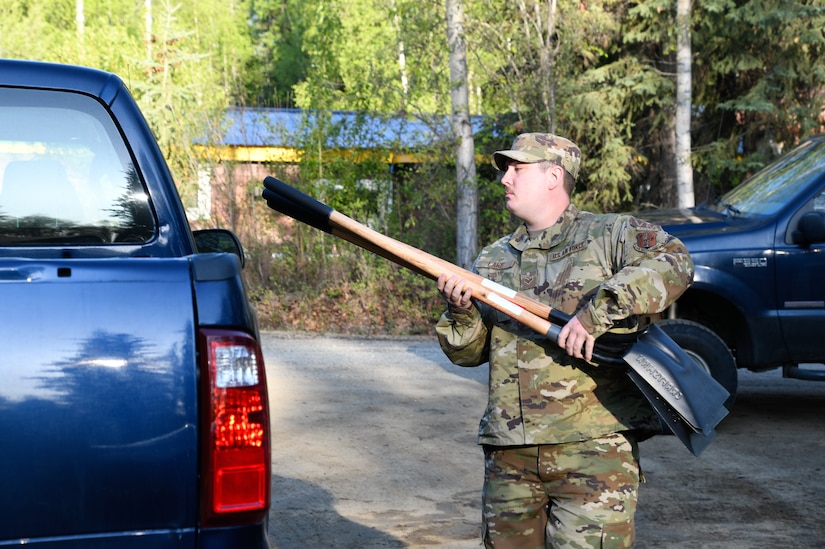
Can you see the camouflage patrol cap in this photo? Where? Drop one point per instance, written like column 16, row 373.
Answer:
column 535, row 147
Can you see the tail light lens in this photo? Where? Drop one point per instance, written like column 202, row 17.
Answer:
column 235, row 429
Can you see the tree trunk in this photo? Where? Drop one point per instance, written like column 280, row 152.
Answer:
column 543, row 24
column 669, row 169
column 683, row 165
column 147, row 25
column 402, row 57
column 467, row 189
column 80, row 20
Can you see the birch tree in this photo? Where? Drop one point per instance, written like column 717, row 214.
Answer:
column 684, row 82
column 466, row 187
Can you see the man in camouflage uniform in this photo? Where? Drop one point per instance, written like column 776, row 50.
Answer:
column 560, row 432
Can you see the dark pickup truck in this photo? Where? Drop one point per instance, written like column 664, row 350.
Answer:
column 758, row 299
column 133, row 399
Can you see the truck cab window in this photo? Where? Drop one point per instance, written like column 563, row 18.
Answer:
column 66, row 176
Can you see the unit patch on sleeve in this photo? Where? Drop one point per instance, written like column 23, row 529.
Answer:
column 646, row 240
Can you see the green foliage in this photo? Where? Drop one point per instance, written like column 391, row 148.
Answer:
column 652, row 23
column 759, row 78
column 319, row 283
column 602, row 117
column 182, row 77
column 600, row 72
column 355, row 50
column 280, row 59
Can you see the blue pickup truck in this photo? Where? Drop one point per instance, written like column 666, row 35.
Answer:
column 758, row 300
column 133, row 399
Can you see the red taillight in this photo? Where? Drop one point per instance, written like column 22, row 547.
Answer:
column 235, row 431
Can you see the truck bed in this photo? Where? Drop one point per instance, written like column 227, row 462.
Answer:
column 104, row 424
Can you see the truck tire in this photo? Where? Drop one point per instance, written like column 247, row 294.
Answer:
column 707, row 349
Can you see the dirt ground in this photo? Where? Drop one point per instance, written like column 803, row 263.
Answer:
column 374, row 447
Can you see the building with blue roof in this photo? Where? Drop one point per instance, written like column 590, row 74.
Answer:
column 264, row 135
column 252, row 142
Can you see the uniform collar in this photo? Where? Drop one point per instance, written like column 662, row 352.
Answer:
column 548, row 238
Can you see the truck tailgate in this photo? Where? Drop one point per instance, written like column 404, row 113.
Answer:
column 98, row 398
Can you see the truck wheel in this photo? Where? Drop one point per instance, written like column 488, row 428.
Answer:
column 707, row 349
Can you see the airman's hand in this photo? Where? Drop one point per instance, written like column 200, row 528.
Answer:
column 574, row 339
column 455, row 291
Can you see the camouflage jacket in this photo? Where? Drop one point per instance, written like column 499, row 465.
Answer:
column 608, row 270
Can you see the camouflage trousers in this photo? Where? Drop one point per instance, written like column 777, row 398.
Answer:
column 576, row 495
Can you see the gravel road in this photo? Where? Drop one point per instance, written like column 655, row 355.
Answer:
column 374, row 447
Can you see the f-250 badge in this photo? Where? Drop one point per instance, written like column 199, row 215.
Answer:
column 750, row 262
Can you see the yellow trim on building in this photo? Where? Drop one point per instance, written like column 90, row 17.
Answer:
column 288, row 155
column 263, row 155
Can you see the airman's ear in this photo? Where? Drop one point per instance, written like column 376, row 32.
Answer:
column 555, row 177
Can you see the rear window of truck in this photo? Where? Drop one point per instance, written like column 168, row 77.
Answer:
column 66, row 176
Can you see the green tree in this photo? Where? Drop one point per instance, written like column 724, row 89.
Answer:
column 280, row 60
column 374, row 56
column 759, row 76
column 190, row 73
column 558, row 67
column 182, row 60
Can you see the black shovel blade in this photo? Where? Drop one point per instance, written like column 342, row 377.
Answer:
column 671, row 420
column 690, row 391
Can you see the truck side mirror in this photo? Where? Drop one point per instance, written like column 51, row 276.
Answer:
column 811, row 228
column 218, row 241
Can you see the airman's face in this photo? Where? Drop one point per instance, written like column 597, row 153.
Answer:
column 527, row 189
